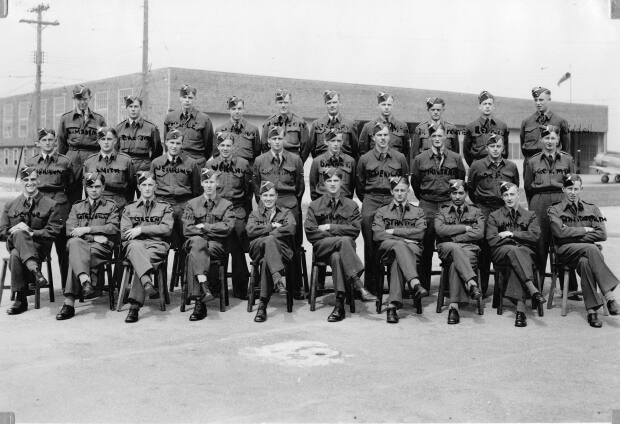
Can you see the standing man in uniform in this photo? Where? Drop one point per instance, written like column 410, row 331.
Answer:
column 77, row 136
column 56, row 177
column 29, row 224
column 332, row 225
column 146, row 225
column 373, row 174
column 332, row 158
column 333, row 121
column 422, row 133
column 234, row 184
column 93, row 228
column 431, row 173
column 400, row 139
column 195, row 126
column 295, row 128
column 246, row 136
column 577, row 225
column 478, row 132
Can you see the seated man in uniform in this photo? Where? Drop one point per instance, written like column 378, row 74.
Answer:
column 459, row 227
column 271, row 229
column 399, row 228
column 29, row 225
column 146, row 226
column 512, row 233
column 576, row 226
column 332, row 224
column 332, row 158
column 207, row 221
column 92, row 229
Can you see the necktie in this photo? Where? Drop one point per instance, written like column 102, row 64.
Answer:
column 401, row 210
column 148, row 205
column 513, row 216
column 541, row 119
column 279, row 160
column 30, row 205
column 459, row 211
column 550, row 157
column 133, row 124
column 210, row 204
column 381, row 157
column 486, row 125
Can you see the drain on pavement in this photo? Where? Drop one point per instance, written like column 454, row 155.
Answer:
column 296, row 353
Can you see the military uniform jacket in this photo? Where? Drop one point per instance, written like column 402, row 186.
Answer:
column 522, row 223
column 373, row 174
column 409, row 224
column 324, row 161
column 197, row 131
column 422, row 137
column 544, row 175
column 247, row 139
column 260, row 220
column 288, row 177
column 295, row 132
column 218, row 219
column 317, row 145
column 42, row 217
column 477, row 134
column 485, row 177
column 568, row 221
column 235, row 180
column 400, row 139
column 55, row 173
column 102, row 218
column 430, row 174
column 79, row 132
column 530, row 132
column 118, row 170
column 139, row 140
column 450, row 226
column 176, row 182
column 344, row 218
column 156, row 222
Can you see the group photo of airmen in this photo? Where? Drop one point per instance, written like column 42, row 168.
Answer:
column 124, row 196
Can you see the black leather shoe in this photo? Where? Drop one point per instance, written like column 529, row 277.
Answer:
column 200, row 311
column 367, row 296
column 520, row 320
column 88, row 290
column 261, row 313
column 299, row 296
column 17, row 307
column 132, row 315
column 475, row 293
column 66, row 312
column 613, row 307
column 338, row 314
column 453, row 316
column 419, row 292
column 538, row 299
column 392, row 316
column 594, row 321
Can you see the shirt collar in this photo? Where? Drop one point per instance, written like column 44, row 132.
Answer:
column 464, row 207
column 435, row 152
column 240, row 123
column 52, row 156
column 568, row 204
column 395, row 204
column 489, row 161
column 335, row 118
column 87, row 112
column 111, row 155
column 206, row 199
column 483, row 119
column 178, row 158
column 191, row 112
column 141, row 202
column 139, row 122
column 387, row 153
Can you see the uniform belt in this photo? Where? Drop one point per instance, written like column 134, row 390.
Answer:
column 81, row 147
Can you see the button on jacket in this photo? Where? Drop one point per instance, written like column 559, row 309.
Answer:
column 247, row 139
column 431, row 173
column 140, row 140
column 79, row 132
column 450, row 226
column 197, row 131
column 422, row 137
column 477, row 134
column 317, row 145
column 485, row 177
column 156, row 223
column 295, row 132
column 400, row 139
column 530, row 132
column 373, row 174
column 344, row 162
column 178, row 180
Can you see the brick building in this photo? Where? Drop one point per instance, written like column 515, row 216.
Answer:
column 588, row 122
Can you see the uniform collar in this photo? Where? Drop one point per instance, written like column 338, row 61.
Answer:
column 555, row 155
column 394, row 204
column 206, row 199
column 179, row 158
column 489, row 162
column 388, row 153
column 464, row 207
column 441, row 152
column 336, row 118
column 263, row 210
column 139, row 122
column 568, row 204
column 237, row 124
column 141, row 202
column 482, row 119
column 191, row 112
column 111, row 155
column 53, row 157
column 78, row 112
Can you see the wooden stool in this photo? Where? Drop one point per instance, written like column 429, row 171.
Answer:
column 37, row 291
column 221, row 266
column 319, row 267
column 444, row 289
column 158, row 281
column 499, row 288
column 384, row 271
column 254, row 286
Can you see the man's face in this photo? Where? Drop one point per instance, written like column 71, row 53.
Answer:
column 174, row 146
column 438, row 138
column 95, row 190
column 106, row 143
column 30, row 184
column 269, row 198
column 236, row 112
column 82, row 103
column 47, row 144
column 382, row 138
column 333, row 106
column 284, row 105
column 333, row 184
column 334, row 146
column 573, row 193
column 276, row 143
column 134, row 109
column 210, row 186
column 187, row 101
column 147, row 189
column 496, row 149
column 225, row 148
column 458, row 196
column 400, row 192
column 487, row 107
column 542, row 102
column 385, row 108
column 511, row 197
column 435, row 112
column 550, row 142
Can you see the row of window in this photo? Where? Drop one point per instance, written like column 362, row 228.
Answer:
column 99, row 103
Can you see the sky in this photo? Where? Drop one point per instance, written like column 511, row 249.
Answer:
column 504, row 46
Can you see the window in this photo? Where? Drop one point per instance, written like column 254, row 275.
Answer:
column 122, row 111
column 6, row 156
column 43, row 122
column 15, row 156
column 514, row 151
column 7, row 121
column 23, row 113
column 59, row 109
column 101, row 104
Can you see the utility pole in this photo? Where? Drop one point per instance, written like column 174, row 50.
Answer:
column 38, row 60
column 145, row 53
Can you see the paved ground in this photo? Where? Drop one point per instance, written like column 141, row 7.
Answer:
column 298, row 368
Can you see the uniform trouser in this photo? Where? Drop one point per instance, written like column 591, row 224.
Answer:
column 237, row 246
column 592, row 269
column 519, row 261
column 199, row 256
column 176, row 238
column 484, row 259
column 24, row 254
column 273, row 253
column 426, row 263
column 340, row 253
column 144, row 256
column 60, row 242
column 83, row 257
column 403, row 258
column 461, row 259
column 77, row 158
column 299, row 238
column 369, row 207
column 539, row 203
